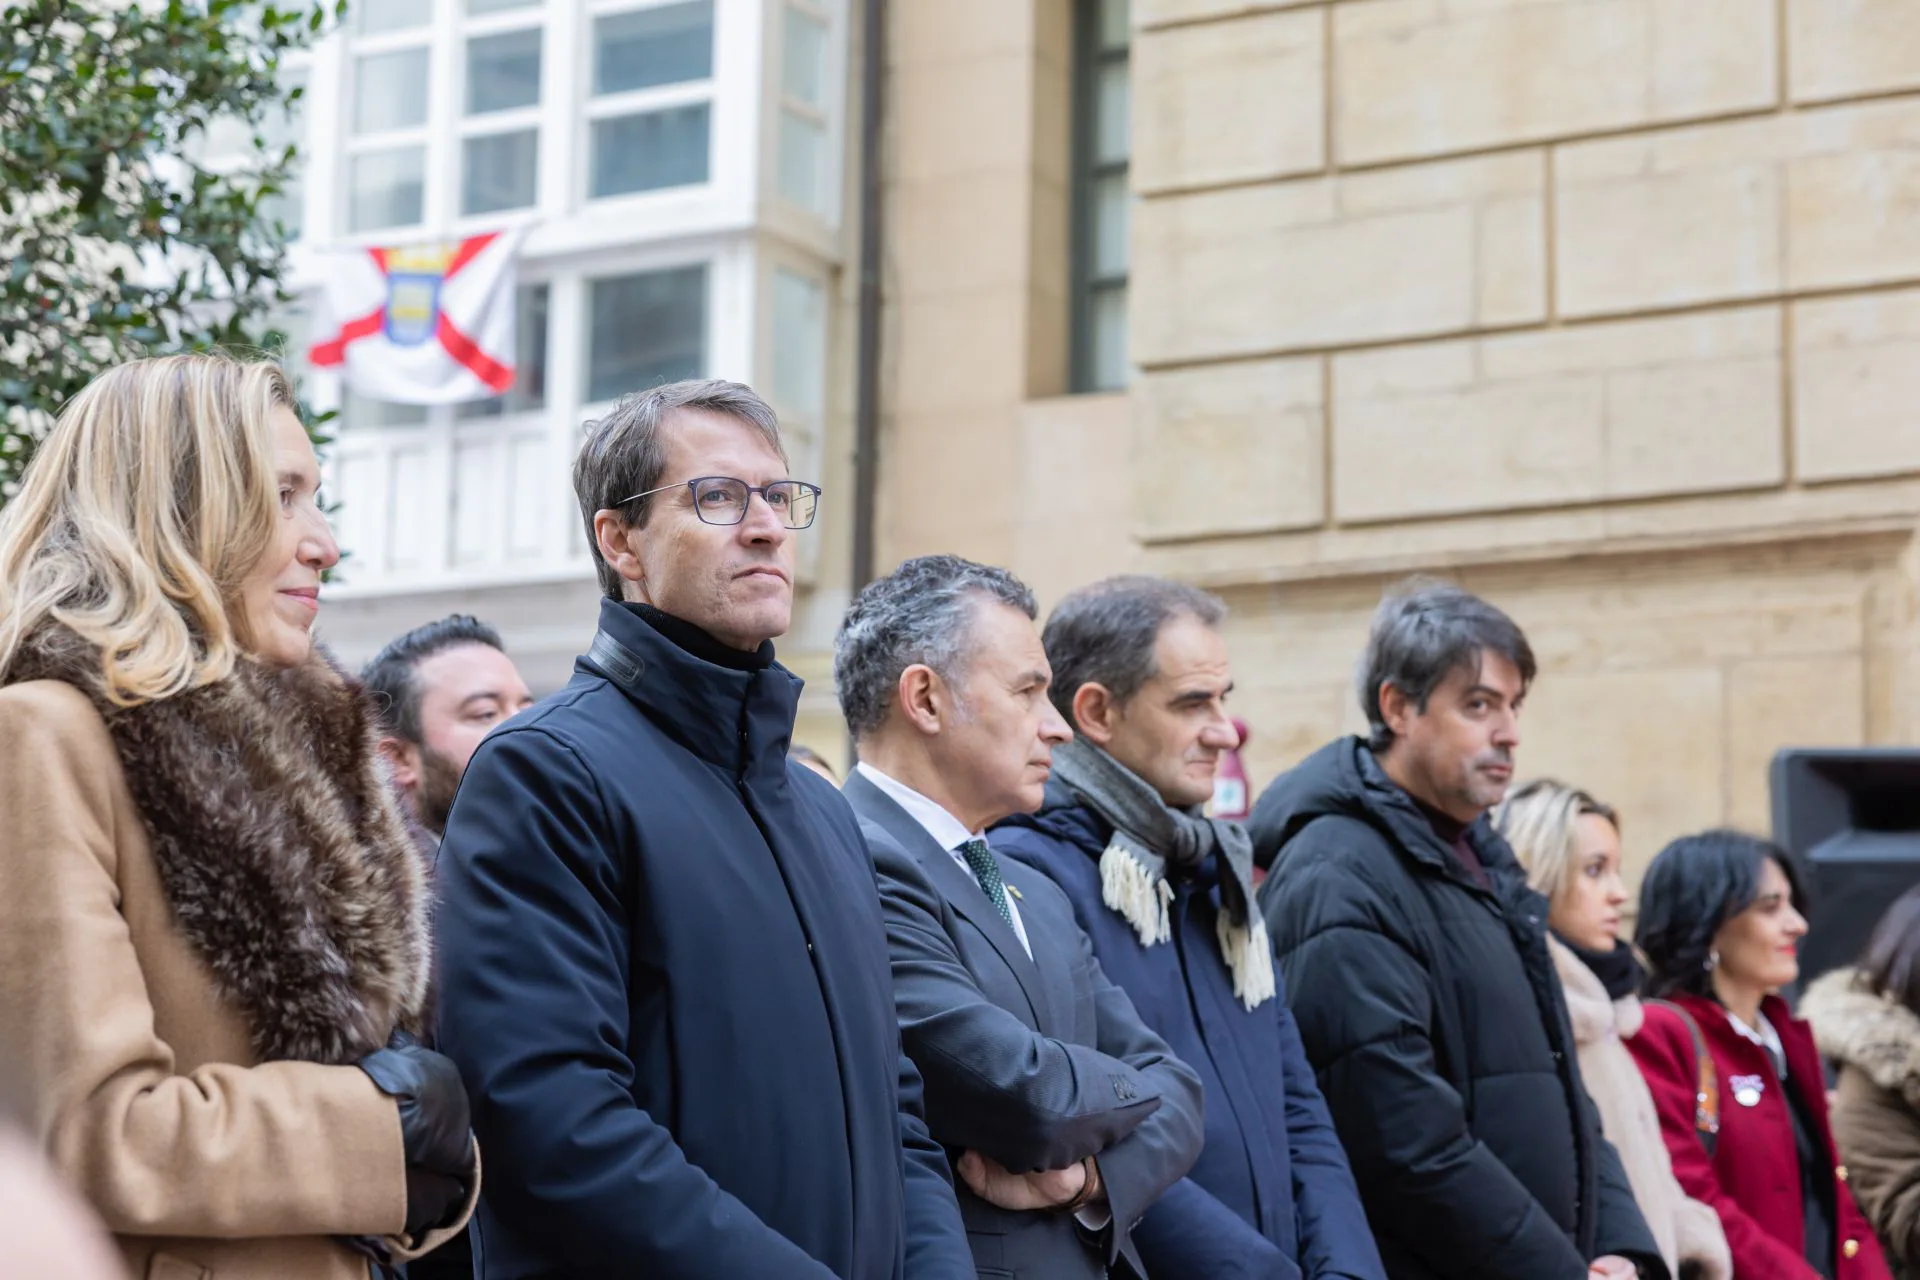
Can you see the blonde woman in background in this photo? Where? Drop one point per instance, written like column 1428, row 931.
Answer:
column 213, row 924
column 1569, row 843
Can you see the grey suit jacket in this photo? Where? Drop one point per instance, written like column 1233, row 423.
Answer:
column 1036, row 1062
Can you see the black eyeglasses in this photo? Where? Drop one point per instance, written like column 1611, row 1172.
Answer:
column 723, row 499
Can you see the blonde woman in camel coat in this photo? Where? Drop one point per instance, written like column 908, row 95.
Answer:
column 213, row 925
column 1570, row 844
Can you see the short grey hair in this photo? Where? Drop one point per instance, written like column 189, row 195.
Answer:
column 1105, row 634
column 1424, row 630
column 921, row 613
column 624, row 453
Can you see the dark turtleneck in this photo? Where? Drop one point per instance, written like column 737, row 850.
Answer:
column 701, row 645
column 1453, row 833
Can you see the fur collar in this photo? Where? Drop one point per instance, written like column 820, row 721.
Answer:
column 281, row 851
column 1854, row 1027
column 1589, row 1010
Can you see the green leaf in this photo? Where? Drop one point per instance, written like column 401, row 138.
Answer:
column 91, row 96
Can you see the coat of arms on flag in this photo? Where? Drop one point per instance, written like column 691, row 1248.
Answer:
column 423, row 324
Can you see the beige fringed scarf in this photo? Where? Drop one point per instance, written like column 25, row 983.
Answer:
column 1147, row 837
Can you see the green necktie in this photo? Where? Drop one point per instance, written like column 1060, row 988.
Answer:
column 986, row 869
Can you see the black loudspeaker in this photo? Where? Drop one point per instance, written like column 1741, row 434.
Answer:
column 1850, row 817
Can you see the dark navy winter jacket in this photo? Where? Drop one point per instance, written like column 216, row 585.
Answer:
column 1271, row 1195
column 667, row 987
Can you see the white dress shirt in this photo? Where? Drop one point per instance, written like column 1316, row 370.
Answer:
column 947, row 831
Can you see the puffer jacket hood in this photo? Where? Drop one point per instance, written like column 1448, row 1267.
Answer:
column 1344, row 778
column 1854, row 1027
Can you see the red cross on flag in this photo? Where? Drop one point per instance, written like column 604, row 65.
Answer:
column 424, row 324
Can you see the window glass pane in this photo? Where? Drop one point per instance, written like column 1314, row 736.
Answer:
column 503, row 72
column 1107, row 314
column 529, row 390
column 647, row 152
column 1110, row 209
column 500, row 171
column 377, row 16
column 801, row 146
column 477, row 7
column 1115, row 23
column 663, row 45
column 803, row 58
column 284, row 127
column 390, row 91
column 644, row 330
column 799, row 345
column 288, row 208
column 358, row 412
column 1111, row 116
column 386, row 188
column 295, row 328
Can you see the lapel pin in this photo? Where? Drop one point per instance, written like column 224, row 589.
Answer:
column 1016, row 893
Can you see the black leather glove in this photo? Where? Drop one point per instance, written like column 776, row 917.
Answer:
column 432, row 1200
column 435, row 1125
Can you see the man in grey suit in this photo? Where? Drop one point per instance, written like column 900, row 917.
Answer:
column 1066, row 1116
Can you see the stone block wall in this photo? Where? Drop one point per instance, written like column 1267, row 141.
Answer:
column 1608, row 308
column 1604, row 307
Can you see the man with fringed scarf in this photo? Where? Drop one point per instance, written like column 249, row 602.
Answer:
column 1141, row 673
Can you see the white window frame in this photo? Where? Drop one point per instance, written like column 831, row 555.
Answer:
column 592, row 108
column 495, row 123
column 823, row 114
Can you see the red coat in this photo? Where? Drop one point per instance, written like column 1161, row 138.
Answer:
column 1753, row 1179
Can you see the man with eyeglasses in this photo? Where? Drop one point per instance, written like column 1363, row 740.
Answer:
column 665, row 971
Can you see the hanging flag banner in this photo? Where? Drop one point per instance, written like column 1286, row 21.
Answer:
column 423, row 324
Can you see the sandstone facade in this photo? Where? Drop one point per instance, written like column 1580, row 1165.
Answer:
column 1608, row 308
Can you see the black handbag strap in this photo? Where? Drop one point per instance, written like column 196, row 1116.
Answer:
column 1706, row 1096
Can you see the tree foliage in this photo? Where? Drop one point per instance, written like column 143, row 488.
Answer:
column 119, row 235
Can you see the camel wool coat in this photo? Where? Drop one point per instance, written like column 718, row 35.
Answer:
column 1685, row 1229
column 137, row 993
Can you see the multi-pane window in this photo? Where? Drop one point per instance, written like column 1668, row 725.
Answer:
column 1100, row 199
column 397, row 117
column 649, row 117
column 801, row 149
column 500, row 124
column 386, row 161
column 645, row 329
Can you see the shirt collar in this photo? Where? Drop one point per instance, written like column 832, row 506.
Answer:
column 947, row 831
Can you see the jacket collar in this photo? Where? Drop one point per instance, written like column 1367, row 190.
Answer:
column 279, row 845
column 1397, row 812
column 1876, row 1036
column 961, row 891
column 737, row 717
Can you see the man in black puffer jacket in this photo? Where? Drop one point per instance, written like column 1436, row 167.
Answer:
column 1416, row 957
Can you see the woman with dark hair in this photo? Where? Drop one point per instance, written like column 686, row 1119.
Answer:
column 1735, row 1077
column 1867, row 1020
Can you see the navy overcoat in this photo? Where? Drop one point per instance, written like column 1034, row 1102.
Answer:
column 666, row 984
